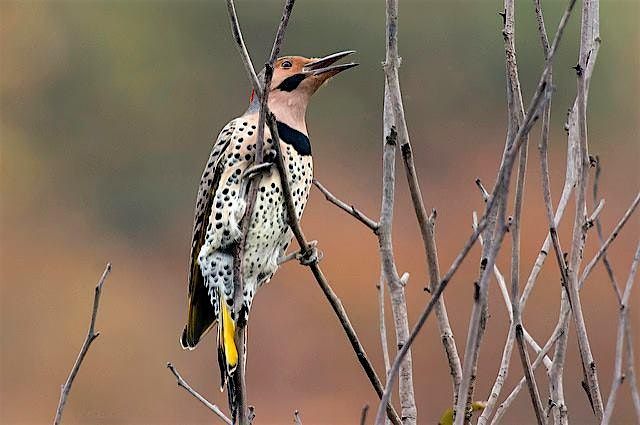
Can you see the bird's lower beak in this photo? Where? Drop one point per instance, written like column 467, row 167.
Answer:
column 325, row 68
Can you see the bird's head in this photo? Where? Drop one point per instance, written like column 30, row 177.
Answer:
column 295, row 80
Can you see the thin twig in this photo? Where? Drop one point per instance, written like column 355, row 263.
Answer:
column 516, row 115
column 579, row 228
column 363, row 415
column 394, row 123
column 183, row 384
column 614, row 234
column 509, row 343
column 426, row 222
column 628, row 345
column 618, row 375
column 349, row 209
column 91, row 336
column 242, row 49
column 598, row 224
column 530, row 377
column 537, row 362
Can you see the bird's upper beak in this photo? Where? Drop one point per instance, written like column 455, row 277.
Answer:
column 324, row 68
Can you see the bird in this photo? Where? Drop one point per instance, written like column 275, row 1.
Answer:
column 220, row 206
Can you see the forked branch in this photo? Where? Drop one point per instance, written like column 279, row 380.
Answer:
column 91, row 336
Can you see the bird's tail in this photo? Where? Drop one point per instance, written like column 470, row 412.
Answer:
column 228, row 356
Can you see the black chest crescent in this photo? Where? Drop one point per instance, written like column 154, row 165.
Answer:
column 296, row 139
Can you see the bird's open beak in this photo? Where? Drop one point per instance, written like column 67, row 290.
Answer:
column 325, row 67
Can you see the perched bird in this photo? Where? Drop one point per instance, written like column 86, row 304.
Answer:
column 220, row 206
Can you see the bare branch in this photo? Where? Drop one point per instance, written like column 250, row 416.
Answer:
column 501, row 185
column 614, row 234
column 530, row 377
column 539, row 360
column 425, row 222
column 242, row 49
column 396, row 289
column 349, row 209
column 91, row 336
column 579, row 228
column 483, row 190
column 183, row 384
column 618, row 375
column 363, row 415
column 594, row 216
column 382, row 322
column 605, row 260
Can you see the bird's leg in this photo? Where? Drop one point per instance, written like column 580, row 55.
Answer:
column 305, row 258
column 254, row 170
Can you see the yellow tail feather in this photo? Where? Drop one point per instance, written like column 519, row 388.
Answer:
column 227, row 329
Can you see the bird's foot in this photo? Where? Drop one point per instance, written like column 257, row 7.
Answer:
column 254, row 170
column 311, row 255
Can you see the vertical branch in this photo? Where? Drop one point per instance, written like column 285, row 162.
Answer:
column 91, row 336
column 478, row 315
column 382, row 322
column 250, row 198
column 426, row 222
column 392, row 122
column 516, row 113
column 618, row 376
column 589, row 20
column 396, row 288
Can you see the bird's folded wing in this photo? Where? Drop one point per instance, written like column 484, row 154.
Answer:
column 201, row 311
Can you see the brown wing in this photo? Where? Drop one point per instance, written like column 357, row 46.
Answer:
column 201, row 311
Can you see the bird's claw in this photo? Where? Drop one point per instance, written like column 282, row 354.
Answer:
column 254, row 170
column 311, row 255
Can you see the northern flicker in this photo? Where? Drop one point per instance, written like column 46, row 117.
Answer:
column 220, row 205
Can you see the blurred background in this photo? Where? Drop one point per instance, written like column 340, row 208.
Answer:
column 108, row 113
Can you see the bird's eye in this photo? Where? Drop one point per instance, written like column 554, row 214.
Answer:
column 286, row 65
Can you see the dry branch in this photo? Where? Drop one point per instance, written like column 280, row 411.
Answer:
column 605, row 246
column 363, row 414
column 394, row 130
column 502, row 409
column 502, row 183
column 618, row 376
column 91, row 336
column 252, row 192
column 349, row 209
column 426, row 223
column 183, row 384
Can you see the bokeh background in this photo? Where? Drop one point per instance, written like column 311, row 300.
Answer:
column 108, row 112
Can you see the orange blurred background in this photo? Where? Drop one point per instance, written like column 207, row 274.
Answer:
column 108, row 112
